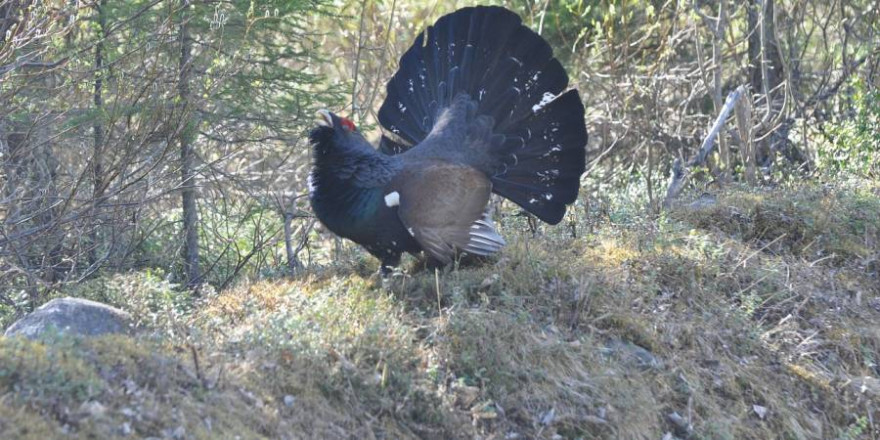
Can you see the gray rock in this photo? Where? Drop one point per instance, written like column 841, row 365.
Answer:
column 73, row 316
column 705, row 201
column 632, row 354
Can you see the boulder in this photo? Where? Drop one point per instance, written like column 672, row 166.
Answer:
column 631, row 354
column 72, row 316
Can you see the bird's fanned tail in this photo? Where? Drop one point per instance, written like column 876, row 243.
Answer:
column 538, row 147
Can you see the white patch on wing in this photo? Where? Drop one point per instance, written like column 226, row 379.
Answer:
column 392, row 199
column 546, row 99
column 311, row 183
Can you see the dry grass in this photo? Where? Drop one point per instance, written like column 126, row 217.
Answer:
column 752, row 318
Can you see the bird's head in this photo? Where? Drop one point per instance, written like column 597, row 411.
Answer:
column 335, row 134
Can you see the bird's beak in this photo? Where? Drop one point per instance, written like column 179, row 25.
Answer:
column 324, row 118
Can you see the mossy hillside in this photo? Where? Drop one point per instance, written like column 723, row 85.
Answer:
column 701, row 323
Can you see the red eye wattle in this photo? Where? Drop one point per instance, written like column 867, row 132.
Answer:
column 347, row 124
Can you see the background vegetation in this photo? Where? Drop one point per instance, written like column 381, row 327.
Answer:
column 153, row 156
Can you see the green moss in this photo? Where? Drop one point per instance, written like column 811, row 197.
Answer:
column 44, row 373
column 22, row 423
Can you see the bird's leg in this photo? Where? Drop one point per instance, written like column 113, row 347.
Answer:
column 432, row 263
column 388, row 265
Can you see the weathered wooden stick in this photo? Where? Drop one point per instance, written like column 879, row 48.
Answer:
column 709, row 142
column 676, row 183
column 679, row 174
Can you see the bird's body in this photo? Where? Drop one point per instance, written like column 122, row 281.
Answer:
column 476, row 107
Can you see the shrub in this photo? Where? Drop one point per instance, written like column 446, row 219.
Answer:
column 854, row 144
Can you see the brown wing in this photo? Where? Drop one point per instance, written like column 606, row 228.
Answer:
column 442, row 206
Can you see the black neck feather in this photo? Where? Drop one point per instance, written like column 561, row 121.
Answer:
column 347, row 179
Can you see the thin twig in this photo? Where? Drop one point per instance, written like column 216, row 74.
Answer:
column 437, row 287
column 746, row 259
column 357, row 59
column 369, row 106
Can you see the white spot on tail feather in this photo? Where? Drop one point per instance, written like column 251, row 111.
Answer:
column 546, row 99
column 548, row 175
column 392, row 199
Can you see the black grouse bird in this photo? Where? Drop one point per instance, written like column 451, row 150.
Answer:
column 478, row 105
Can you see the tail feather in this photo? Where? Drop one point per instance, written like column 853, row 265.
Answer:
column 544, row 158
column 509, row 70
column 483, row 238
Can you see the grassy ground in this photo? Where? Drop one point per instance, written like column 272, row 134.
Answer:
column 752, row 317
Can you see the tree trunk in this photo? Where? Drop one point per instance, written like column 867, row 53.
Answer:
column 765, row 61
column 765, row 73
column 744, row 123
column 188, row 192
column 292, row 260
column 718, row 95
column 98, row 128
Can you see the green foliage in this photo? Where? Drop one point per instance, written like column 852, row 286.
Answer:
column 8, row 312
column 259, row 77
column 853, row 146
column 237, row 239
column 856, row 430
column 571, row 25
column 567, row 25
column 253, row 85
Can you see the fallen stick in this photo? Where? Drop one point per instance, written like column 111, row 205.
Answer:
column 680, row 175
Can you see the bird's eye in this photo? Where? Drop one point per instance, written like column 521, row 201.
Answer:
column 347, row 124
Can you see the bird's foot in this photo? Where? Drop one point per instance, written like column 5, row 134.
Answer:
column 386, row 271
column 384, row 275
